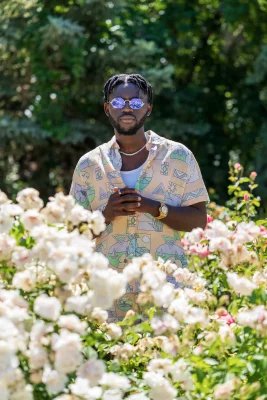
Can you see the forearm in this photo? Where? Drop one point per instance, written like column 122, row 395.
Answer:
column 180, row 218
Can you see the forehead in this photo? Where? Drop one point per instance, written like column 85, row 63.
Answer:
column 127, row 91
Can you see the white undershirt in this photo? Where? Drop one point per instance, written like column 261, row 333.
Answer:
column 130, row 177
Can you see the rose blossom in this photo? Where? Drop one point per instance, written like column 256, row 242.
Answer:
column 225, row 317
column 29, row 198
column 31, row 218
column 68, row 351
column 92, row 370
column 241, row 285
column 47, row 307
column 54, row 381
column 82, row 388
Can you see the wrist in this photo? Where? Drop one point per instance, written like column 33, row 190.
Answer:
column 154, row 208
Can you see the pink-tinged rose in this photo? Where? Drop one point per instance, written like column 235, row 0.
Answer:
column 238, row 166
column 246, row 196
column 224, row 316
column 201, row 250
column 209, row 218
column 263, row 231
column 253, row 175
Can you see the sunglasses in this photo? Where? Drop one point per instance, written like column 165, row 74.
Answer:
column 118, row 102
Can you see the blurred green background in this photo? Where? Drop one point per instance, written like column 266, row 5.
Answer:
column 206, row 60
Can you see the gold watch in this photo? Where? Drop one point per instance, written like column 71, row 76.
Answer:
column 163, row 211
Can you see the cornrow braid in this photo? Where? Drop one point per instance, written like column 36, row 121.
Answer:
column 136, row 79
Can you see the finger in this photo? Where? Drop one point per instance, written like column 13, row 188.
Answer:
column 126, row 199
column 127, row 190
column 127, row 206
column 122, row 213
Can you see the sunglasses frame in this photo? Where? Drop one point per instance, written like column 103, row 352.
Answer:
column 129, row 101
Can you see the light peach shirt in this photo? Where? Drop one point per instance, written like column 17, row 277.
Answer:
column 171, row 174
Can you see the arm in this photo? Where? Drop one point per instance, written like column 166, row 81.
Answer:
column 179, row 218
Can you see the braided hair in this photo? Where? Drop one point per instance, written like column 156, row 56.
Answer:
column 136, row 79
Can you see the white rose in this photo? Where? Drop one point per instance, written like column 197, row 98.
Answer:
column 114, row 331
column 166, row 323
column 79, row 304
column 67, row 202
column 115, row 381
column 108, row 285
column 47, row 307
column 68, row 350
column 54, row 213
column 92, row 370
column 37, row 356
column 221, row 244
column 98, row 261
column 31, row 218
column 6, row 221
column 217, row 229
column 82, row 388
column 8, row 360
column 96, row 222
column 3, row 198
column 54, row 381
column 132, row 271
column 7, row 245
column 224, row 391
column 195, row 236
column 29, row 198
column 67, row 270
column 24, row 280
column 72, row 323
column 21, row 256
column 241, row 285
column 99, row 315
column 78, row 214
column 112, row 394
column 160, row 387
column 164, row 295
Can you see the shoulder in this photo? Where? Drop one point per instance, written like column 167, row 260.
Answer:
column 178, row 151
column 89, row 159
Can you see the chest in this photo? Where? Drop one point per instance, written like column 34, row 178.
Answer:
column 133, row 162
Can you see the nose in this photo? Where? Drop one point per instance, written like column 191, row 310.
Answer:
column 127, row 107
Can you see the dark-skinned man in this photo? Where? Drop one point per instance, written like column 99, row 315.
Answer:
column 148, row 187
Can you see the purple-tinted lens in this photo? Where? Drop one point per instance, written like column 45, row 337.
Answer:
column 135, row 104
column 118, row 102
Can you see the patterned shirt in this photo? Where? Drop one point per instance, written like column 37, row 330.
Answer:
column 171, row 175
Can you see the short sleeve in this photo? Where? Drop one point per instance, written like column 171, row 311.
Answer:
column 195, row 190
column 79, row 190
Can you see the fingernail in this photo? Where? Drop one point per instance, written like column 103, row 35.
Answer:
column 138, row 204
column 139, row 198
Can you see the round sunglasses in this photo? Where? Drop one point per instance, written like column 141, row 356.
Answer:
column 119, row 102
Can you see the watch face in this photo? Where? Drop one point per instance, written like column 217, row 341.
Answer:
column 164, row 210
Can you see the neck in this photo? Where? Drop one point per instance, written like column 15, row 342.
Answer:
column 130, row 144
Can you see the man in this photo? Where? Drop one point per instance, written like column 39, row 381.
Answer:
column 147, row 187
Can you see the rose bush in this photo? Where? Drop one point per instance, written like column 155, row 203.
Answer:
column 204, row 340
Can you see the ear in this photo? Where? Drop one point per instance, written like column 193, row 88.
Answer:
column 106, row 108
column 149, row 109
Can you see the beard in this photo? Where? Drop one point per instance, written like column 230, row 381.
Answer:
column 127, row 131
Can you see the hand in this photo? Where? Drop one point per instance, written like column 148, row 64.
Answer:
column 123, row 204
column 147, row 206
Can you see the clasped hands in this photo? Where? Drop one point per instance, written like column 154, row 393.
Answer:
column 127, row 201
